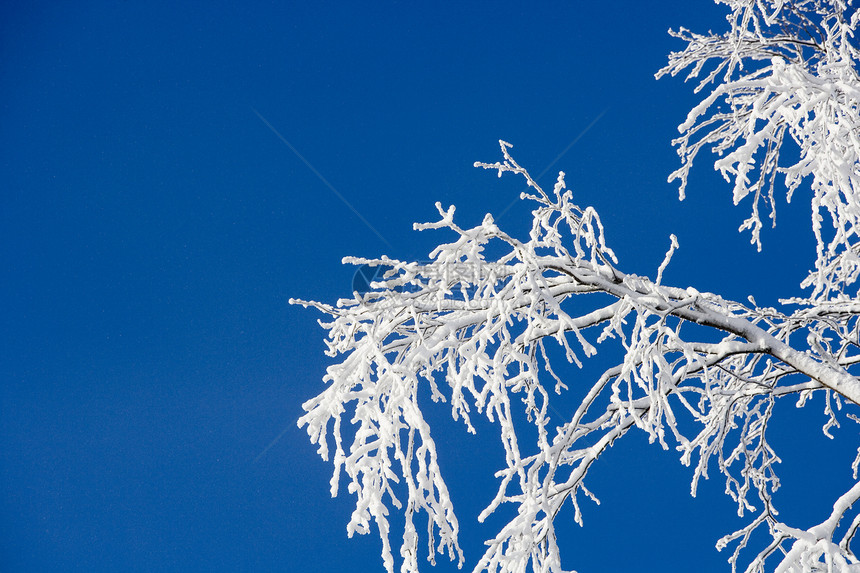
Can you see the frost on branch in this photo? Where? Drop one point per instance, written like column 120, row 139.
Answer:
column 697, row 373
column 785, row 71
column 472, row 331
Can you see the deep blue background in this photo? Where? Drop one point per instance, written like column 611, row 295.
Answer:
column 152, row 228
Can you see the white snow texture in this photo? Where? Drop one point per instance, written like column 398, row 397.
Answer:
column 699, row 373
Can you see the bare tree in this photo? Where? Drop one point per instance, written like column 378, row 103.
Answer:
column 699, row 373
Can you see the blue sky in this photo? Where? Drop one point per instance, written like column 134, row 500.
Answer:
column 153, row 227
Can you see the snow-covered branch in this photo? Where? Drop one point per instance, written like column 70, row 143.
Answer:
column 692, row 370
column 477, row 340
column 789, row 72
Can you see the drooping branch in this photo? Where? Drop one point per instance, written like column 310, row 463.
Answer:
column 484, row 323
column 697, row 372
column 789, row 72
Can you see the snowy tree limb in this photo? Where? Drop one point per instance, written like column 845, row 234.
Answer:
column 695, row 372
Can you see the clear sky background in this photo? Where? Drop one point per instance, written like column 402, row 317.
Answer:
column 153, row 227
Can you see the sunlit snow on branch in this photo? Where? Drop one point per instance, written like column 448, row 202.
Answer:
column 699, row 374
column 786, row 71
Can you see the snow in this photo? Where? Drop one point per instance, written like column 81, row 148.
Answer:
column 700, row 373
